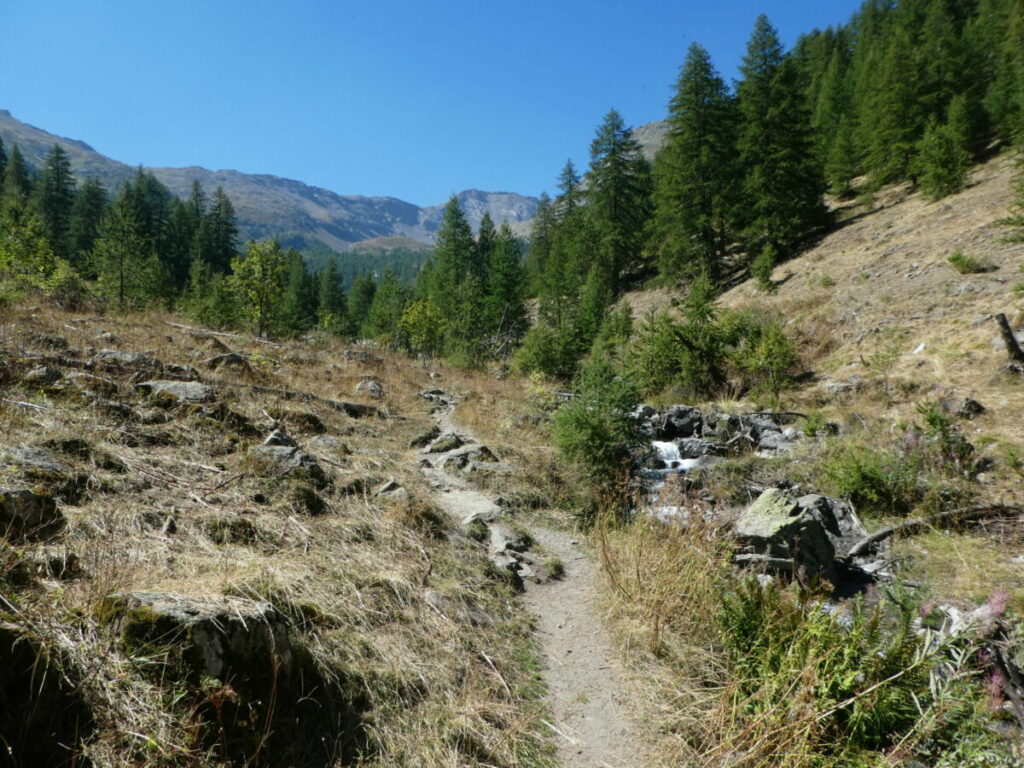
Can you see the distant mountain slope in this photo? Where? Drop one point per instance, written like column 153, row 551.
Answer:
column 268, row 205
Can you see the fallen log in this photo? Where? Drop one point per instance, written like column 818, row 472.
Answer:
column 918, row 524
column 1010, row 340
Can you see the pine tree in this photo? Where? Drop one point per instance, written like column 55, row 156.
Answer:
column 127, row 270
column 541, row 237
column 360, row 297
column 86, row 218
column 219, row 233
column 16, row 187
column 383, row 320
column 332, row 310
column 181, row 230
column 695, row 173
column 505, row 306
column 296, row 311
column 453, row 256
column 3, row 160
column 54, row 199
column 486, row 239
column 783, row 183
column 570, row 194
column 942, row 162
column 618, row 196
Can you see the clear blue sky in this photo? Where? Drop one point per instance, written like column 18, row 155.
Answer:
column 408, row 98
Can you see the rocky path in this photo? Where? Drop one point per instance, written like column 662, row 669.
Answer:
column 586, row 692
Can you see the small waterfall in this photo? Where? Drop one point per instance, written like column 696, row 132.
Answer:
column 666, row 453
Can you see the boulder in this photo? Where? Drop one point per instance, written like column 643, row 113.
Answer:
column 111, row 407
column 278, row 437
column 776, row 526
column 369, row 388
column 969, row 408
column 696, row 448
column 461, row 458
column 127, row 359
column 42, row 467
column 680, row 421
column 233, row 639
column 445, row 443
column 290, row 460
column 506, row 539
column 841, row 524
column 27, row 515
column 42, row 376
column 426, row 438
column 230, row 360
column 174, row 392
column 107, row 337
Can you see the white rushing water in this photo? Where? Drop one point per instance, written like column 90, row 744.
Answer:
column 667, row 453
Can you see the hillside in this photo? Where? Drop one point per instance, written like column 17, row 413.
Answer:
column 269, row 205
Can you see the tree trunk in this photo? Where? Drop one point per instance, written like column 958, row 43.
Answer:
column 1012, row 347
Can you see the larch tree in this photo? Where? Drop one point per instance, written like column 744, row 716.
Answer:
column 783, row 183
column 258, row 277
column 695, row 173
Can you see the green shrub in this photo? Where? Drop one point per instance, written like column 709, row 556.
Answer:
column 967, row 265
column 763, row 267
column 595, row 431
column 879, row 481
column 546, row 350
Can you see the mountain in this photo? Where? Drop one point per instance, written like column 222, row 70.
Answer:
column 273, row 206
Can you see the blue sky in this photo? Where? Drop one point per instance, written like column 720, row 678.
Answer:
column 406, row 98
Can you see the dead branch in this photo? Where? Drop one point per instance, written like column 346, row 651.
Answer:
column 918, row 524
column 1009, row 339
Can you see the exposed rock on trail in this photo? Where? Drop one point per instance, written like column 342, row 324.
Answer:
column 586, row 693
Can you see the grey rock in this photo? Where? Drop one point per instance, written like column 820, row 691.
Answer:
column 214, row 636
column 506, row 539
column 108, row 337
column 695, row 448
column 463, row 457
column 290, row 460
column 127, row 359
column 230, row 360
column 679, row 421
column 436, row 396
column 363, row 356
column 389, row 489
column 969, row 408
column 777, row 526
column 278, row 437
column 42, row 467
column 369, row 388
column 179, row 391
column 47, row 341
column 112, row 407
column 508, row 567
column 26, row 515
column 42, row 376
column 445, row 443
column 426, row 438
column 841, row 524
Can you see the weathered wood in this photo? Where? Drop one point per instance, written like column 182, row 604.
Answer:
column 918, row 524
column 775, row 563
column 1009, row 339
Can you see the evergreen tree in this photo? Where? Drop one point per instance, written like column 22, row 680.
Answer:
column 54, row 199
column 383, row 320
column 783, row 183
column 181, row 230
column 127, row 270
column 16, row 187
column 541, row 236
column 569, row 190
column 3, row 160
column 695, row 174
column 618, row 196
column 505, row 306
column 297, row 310
column 360, row 297
column 219, row 233
column 943, row 163
column 486, row 239
column 332, row 310
column 453, row 257
column 86, row 219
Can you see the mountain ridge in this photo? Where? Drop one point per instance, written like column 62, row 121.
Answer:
column 269, row 205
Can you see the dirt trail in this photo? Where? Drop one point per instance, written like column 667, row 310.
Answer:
column 586, row 692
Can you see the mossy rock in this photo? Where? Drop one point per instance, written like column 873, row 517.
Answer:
column 28, row 514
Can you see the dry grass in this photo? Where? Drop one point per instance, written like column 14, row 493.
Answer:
column 434, row 687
